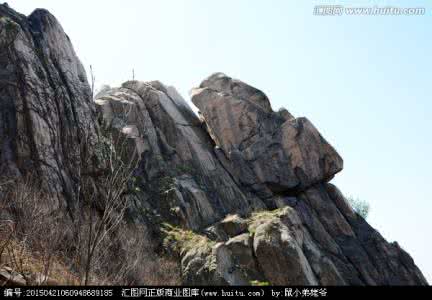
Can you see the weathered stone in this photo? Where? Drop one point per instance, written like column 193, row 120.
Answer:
column 224, row 171
column 312, row 240
column 179, row 174
column 280, row 256
column 296, row 246
column 205, row 262
column 224, row 84
column 283, row 153
column 46, row 109
column 242, row 252
column 230, row 226
column 359, row 253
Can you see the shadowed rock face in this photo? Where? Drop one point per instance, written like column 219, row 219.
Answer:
column 317, row 240
column 45, row 99
column 248, row 185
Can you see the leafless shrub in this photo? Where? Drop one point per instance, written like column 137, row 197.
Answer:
column 81, row 245
column 32, row 234
column 161, row 271
column 6, row 234
column 103, row 200
column 139, row 264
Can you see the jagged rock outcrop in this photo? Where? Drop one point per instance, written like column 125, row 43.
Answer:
column 179, row 175
column 317, row 240
column 239, row 195
column 315, row 237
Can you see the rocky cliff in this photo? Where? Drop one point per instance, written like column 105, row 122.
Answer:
column 46, row 104
column 238, row 194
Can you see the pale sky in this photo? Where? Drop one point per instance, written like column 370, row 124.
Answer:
column 364, row 81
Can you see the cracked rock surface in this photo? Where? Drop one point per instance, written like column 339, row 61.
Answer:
column 46, row 106
column 279, row 152
column 239, row 194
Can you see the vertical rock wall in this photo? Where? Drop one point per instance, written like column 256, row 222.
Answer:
column 47, row 112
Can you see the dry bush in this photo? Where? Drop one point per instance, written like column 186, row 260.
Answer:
column 103, row 201
column 90, row 243
column 129, row 259
column 162, row 271
column 44, row 246
column 32, row 235
column 109, row 250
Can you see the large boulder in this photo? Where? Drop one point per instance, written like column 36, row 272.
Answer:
column 268, row 148
column 230, row 226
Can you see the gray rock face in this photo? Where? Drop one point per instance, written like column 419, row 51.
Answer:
column 271, row 149
column 288, row 264
column 229, row 227
column 314, row 242
column 217, row 181
column 180, row 176
column 46, row 106
column 315, row 237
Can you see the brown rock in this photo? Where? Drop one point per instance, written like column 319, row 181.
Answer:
column 268, row 148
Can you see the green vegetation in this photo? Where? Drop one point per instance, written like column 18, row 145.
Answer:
column 259, row 283
column 257, row 218
column 165, row 184
column 11, row 29
column 185, row 169
column 360, row 206
column 182, row 240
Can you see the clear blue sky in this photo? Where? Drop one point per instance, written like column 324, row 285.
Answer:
column 364, row 81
